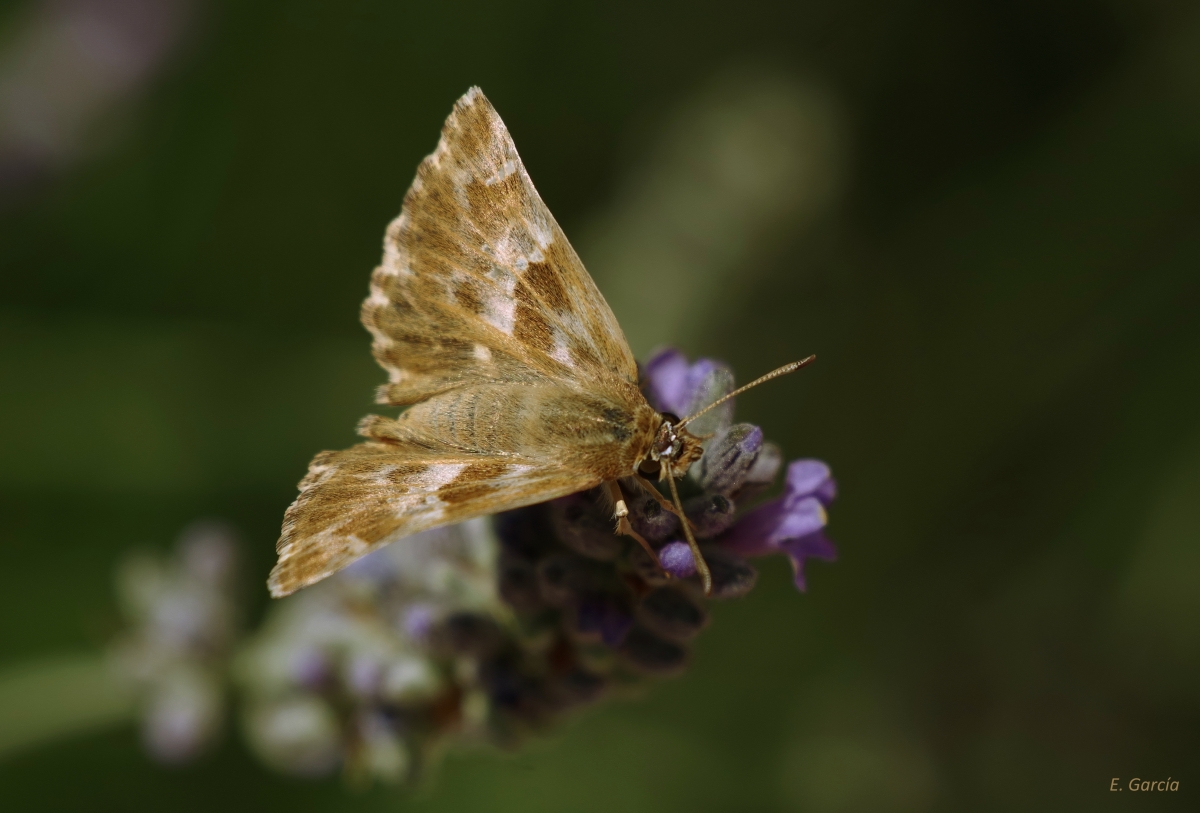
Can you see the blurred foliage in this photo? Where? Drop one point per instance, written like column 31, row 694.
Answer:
column 1002, row 290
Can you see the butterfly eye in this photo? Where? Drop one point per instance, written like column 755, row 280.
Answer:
column 670, row 417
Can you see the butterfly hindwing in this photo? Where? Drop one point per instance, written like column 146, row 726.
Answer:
column 478, row 282
column 357, row 500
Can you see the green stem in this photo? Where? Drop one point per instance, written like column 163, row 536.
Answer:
column 61, row 696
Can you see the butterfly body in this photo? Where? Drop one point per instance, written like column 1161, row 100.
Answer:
column 604, row 437
column 519, row 383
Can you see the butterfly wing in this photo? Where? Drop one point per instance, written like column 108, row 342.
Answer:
column 478, row 282
column 522, row 384
column 359, row 499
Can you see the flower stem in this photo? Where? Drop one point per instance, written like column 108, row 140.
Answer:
column 59, row 696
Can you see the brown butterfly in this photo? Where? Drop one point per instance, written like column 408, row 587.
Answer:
column 521, row 385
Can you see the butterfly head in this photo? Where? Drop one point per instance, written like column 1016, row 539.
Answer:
column 674, row 445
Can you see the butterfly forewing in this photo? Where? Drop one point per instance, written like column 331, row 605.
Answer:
column 522, row 384
column 478, row 282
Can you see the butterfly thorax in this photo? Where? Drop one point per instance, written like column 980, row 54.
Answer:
column 673, row 444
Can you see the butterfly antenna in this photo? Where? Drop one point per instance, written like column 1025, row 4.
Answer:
column 701, row 565
column 784, row 370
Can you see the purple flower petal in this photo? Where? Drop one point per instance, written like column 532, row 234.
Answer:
column 363, row 674
column 309, row 667
column 767, row 527
column 827, row 493
column 813, row 546
column 800, row 518
column 675, row 386
column 418, row 622
column 604, row 616
column 667, row 375
column 805, row 477
column 676, row 559
column 810, row 478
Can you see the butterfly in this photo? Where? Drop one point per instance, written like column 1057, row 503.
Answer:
column 519, row 383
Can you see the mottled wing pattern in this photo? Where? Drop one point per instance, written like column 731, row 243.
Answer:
column 478, row 282
column 359, row 499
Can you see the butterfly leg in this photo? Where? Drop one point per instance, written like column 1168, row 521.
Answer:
column 621, row 514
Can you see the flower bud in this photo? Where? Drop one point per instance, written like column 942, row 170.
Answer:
column 671, row 613
column 381, row 753
column 307, row 666
column 563, row 578
column 729, row 457
column 575, row 687
column 518, row 583
column 580, row 527
column 650, row 519
column 468, row 633
column 605, row 618
column 676, row 558
column 708, row 382
column 182, row 716
column 417, row 622
column 710, row 514
column 298, row 735
column 362, row 675
column 409, row 680
column 647, row 569
column 732, row 576
column 649, row 653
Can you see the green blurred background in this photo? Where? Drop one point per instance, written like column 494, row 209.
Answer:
column 983, row 216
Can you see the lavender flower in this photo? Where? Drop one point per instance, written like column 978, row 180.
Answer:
column 374, row 669
column 489, row 630
column 793, row 524
column 739, row 464
column 615, row 609
column 182, row 618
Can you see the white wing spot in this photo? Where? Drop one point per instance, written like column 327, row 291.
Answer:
column 561, row 351
column 380, row 477
column 538, row 228
column 441, row 473
column 508, row 168
column 498, row 310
